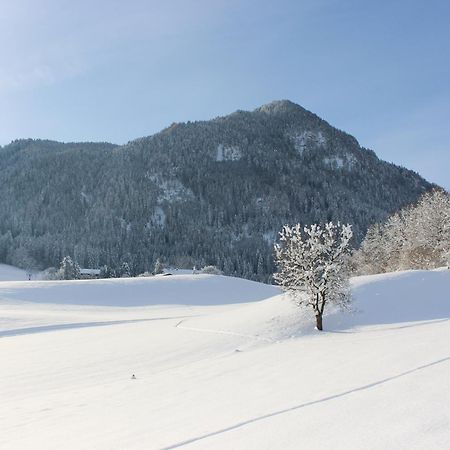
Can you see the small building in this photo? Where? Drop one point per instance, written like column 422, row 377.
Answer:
column 89, row 274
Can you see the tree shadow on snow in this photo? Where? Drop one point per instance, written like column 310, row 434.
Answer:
column 404, row 297
column 70, row 326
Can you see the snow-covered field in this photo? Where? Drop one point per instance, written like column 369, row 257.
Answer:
column 11, row 273
column 223, row 363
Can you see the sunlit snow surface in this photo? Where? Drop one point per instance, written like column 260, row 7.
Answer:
column 223, row 363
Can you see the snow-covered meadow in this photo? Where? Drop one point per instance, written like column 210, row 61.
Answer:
column 223, row 363
column 11, row 273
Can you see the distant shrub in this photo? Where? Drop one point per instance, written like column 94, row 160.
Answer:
column 145, row 274
column 52, row 273
column 211, row 270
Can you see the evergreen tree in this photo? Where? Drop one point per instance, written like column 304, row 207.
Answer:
column 125, row 271
column 69, row 269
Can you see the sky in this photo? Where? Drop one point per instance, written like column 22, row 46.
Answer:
column 113, row 71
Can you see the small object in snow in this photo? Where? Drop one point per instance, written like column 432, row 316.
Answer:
column 133, row 377
column 238, row 351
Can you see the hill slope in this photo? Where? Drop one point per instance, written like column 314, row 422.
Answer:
column 250, row 375
column 11, row 273
column 213, row 192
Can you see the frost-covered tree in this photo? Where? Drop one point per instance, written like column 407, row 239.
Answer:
column 159, row 267
column 361, row 261
column 427, row 226
column 311, row 265
column 417, row 237
column 70, row 270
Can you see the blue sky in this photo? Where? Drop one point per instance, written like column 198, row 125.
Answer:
column 115, row 70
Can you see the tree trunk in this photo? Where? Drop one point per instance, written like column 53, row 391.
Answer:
column 319, row 322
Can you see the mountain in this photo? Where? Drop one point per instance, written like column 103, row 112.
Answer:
column 209, row 192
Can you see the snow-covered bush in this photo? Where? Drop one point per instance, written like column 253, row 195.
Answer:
column 211, row 270
column 145, row 274
column 311, row 265
column 51, row 273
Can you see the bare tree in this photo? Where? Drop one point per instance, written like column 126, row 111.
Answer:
column 311, row 265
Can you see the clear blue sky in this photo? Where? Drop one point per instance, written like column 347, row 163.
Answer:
column 115, row 70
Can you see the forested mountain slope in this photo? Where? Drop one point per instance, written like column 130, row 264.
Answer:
column 211, row 192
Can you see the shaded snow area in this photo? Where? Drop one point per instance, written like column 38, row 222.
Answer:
column 223, row 363
column 10, row 273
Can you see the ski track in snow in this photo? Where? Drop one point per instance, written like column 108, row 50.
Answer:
column 229, row 333
column 305, row 405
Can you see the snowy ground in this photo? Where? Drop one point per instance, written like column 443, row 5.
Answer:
column 223, row 363
column 10, row 273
